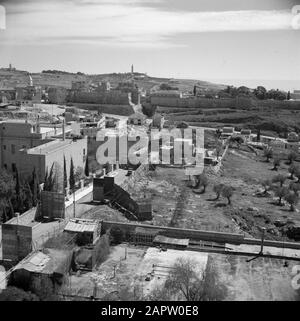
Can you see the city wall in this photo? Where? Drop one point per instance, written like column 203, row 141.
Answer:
column 239, row 103
column 120, row 109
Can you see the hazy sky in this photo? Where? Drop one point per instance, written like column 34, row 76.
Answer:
column 202, row 39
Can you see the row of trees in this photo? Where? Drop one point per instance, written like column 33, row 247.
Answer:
column 291, row 192
column 57, row 181
column 201, row 182
column 260, row 93
column 16, row 195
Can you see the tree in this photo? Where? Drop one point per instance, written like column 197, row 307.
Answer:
column 203, row 181
column 35, row 188
column 280, row 192
column 117, row 235
column 46, row 180
column 258, row 135
column 292, row 156
column 279, row 179
column 293, row 199
column 87, row 168
column 297, row 173
column 218, row 190
column 288, row 97
column 65, row 175
column 192, row 285
column 28, row 202
column 238, row 140
column 72, row 176
column 79, row 174
column 268, row 153
column 20, row 197
column 295, row 187
column 227, row 192
column 260, row 92
column 276, row 163
column 266, row 184
column 51, row 178
column 12, row 293
column 7, row 185
column 292, row 170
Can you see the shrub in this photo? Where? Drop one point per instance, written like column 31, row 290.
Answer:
column 279, row 179
column 293, row 199
column 218, row 190
column 280, row 192
column 227, row 192
column 117, row 235
column 292, row 170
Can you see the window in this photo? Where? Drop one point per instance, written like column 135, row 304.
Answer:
column 13, row 148
column 4, row 147
column 84, row 152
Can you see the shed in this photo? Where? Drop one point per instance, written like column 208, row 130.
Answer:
column 171, row 242
column 42, row 269
column 88, row 229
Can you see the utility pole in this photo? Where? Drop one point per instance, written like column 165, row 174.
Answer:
column 262, row 240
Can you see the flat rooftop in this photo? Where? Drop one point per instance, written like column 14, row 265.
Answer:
column 51, row 147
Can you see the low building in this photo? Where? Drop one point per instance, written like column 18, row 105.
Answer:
column 227, row 132
column 295, row 95
column 42, row 157
column 86, row 230
column 42, row 271
column 246, row 133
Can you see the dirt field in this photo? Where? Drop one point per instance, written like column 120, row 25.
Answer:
column 262, row 279
column 259, row 279
column 175, row 204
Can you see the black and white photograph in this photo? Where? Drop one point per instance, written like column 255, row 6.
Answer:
column 149, row 154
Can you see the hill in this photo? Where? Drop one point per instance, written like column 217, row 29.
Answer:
column 11, row 78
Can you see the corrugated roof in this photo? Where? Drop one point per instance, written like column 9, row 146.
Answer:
column 170, row 240
column 81, row 226
column 47, row 262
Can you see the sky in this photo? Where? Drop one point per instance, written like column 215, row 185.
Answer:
column 250, row 42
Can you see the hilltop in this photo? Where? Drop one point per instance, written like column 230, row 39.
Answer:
column 12, row 78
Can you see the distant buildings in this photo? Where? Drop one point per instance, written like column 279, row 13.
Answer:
column 295, row 95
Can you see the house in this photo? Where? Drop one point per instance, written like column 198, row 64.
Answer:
column 246, row 133
column 137, row 119
column 87, row 230
column 227, row 132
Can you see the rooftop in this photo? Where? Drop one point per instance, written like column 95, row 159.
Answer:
column 48, row 261
column 81, row 225
column 51, row 147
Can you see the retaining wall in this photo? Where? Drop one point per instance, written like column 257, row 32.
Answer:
column 180, row 233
